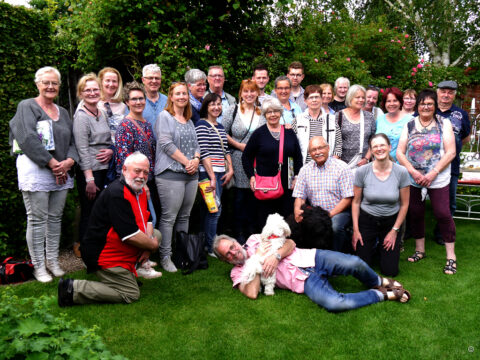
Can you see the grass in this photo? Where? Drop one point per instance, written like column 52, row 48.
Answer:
column 200, row 316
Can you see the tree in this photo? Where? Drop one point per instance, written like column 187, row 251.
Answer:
column 448, row 30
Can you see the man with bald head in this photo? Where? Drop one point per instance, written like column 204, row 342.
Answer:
column 326, row 182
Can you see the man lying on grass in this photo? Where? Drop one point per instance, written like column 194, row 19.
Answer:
column 119, row 235
column 307, row 271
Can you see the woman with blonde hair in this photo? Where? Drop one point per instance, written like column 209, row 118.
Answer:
column 240, row 121
column 93, row 142
column 327, row 97
column 176, row 167
column 46, row 154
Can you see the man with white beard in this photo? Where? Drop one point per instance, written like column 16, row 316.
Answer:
column 119, row 238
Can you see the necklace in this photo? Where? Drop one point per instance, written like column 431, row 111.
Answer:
column 91, row 112
column 425, row 126
column 275, row 134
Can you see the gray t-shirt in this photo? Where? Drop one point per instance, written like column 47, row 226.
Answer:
column 381, row 198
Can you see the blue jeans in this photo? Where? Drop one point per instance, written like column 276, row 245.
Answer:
column 329, row 263
column 211, row 219
column 340, row 235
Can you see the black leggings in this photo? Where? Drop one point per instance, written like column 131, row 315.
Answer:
column 373, row 230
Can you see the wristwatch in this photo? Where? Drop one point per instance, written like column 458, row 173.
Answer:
column 278, row 256
column 396, row 229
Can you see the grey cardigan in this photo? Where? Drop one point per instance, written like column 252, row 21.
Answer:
column 23, row 128
column 168, row 140
column 91, row 135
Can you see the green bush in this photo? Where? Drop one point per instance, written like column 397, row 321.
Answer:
column 25, row 47
column 29, row 331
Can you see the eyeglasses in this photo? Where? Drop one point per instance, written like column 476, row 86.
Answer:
column 295, row 75
column 283, row 88
column 91, row 91
column 217, row 76
column 139, row 99
column 270, row 112
column 318, row 148
column 200, row 85
column 427, row 105
column 150, row 78
column 48, row 83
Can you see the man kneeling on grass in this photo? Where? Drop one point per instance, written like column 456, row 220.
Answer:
column 307, row 271
column 119, row 235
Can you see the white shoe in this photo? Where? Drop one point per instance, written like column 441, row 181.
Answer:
column 212, row 254
column 149, row 263
column 148, row 273
column 167, row 264
column 56, row 270
column 42, row 275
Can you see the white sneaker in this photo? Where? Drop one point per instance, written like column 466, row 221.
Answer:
column 167, row 264
column 212, row 254
column 148, row 273
column 56, row 270
column 150, row 263
column 42, row 275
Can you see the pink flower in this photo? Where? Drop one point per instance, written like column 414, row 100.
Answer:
column 414, row 69
column 419, row 66
column 325, row 53
column 413, row 74
column 380, row 30
column 430, row 84
column 396, row 27
column 316, row 60
column 392, row 40
column 414, row 81
column 421, row 60
column 207, row 47
column 381, row 90
column 399, row 41
column 389, row 77
column 270, row 55
column 148, row 23
column 403, row 47
column 362, row 61
column 348, row 59
column 407, row 36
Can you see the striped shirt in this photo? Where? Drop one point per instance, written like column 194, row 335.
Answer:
column 210, row 145
column 324, row 185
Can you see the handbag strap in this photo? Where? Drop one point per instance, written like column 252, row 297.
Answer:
column 249, row 126
column 220, row 137
column 280, row 151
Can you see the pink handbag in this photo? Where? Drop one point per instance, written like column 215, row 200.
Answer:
column 270, row 187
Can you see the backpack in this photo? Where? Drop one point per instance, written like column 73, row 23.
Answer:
column 189, row 254
column 15, row 271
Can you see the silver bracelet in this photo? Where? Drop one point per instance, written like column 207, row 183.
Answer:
column 90, row 179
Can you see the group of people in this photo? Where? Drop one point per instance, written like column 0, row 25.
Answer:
column 138, row 156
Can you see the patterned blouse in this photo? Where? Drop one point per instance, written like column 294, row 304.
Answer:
column 129, row 139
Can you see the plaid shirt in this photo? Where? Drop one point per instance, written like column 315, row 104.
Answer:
column 324, row 185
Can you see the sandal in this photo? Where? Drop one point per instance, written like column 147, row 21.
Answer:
column 417, row 256
column 390, row 283
column 395, row 294
column 451, row 266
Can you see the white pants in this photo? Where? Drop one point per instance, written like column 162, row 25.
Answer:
column 44, row 224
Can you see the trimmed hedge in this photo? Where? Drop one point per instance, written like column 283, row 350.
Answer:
column 25, row 47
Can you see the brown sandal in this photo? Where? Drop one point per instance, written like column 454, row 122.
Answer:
column 417, row 256
column 390, row 283
column 395, row 294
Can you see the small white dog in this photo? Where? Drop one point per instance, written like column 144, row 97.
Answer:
column 275, row 232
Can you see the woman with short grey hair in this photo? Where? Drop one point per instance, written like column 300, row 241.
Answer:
column 356, row 126
column 272, row 104
column 197, row 85
column 46, row 154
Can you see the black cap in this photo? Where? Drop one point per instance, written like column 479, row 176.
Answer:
column 448, row 84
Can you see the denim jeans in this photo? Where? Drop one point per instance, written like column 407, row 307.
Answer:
column 211, row 219
column 177, row 198
column 340, row 235
column 329, row 263
column 44, row 224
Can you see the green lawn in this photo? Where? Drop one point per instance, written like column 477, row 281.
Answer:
column 201, row 317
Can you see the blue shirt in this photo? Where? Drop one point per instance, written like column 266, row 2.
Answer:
column 461, row 129
column 393, row 131
column 153, row 109
column 288, row 115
